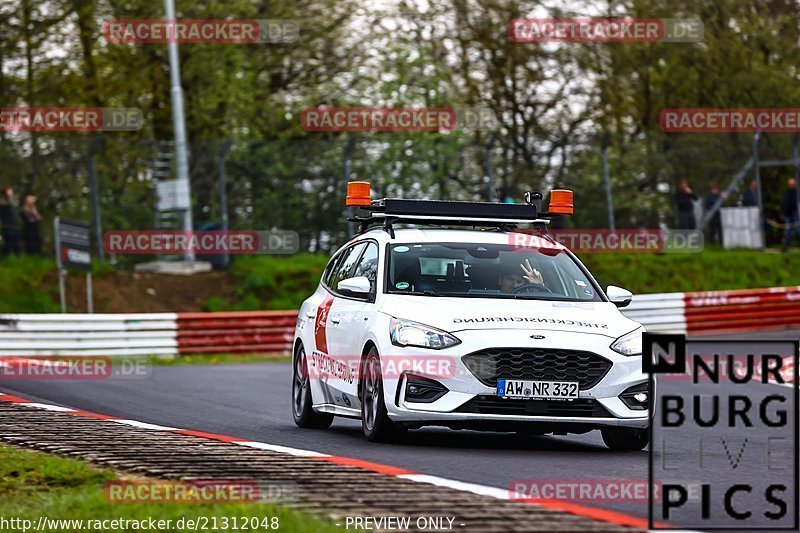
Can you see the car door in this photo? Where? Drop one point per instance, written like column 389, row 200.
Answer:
column 314, row 320
column 351, row 319
column 327, row 363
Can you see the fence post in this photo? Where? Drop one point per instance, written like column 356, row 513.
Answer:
column 96, row 145
column 607, row 179
column 795, row 138
column 489, row 169
column 223, row 199
column 759, row 198
column 348, row 149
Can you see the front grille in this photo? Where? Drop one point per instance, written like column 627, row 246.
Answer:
column 543, row 364
column 493, row 405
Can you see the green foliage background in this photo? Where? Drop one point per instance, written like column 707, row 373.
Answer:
column 554, row 102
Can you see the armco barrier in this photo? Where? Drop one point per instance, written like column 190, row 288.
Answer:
column 273, row 331
column 95, row 334
column 661, row 313
column 717, row 311
column 257, row 331
column 146, row 333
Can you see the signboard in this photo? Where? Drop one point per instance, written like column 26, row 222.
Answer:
column 73, row 245
column 740, row 227
column 172, row 195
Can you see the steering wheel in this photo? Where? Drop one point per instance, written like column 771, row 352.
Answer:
column 530, row 287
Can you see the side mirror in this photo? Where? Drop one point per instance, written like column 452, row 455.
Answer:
column 619, row 296
column 358, row 286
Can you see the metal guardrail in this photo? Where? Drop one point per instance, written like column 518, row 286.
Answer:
column 717, row 311
column 146, row 333
column 273, row 331
column 257, row 331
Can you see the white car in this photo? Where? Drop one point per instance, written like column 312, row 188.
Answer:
column 467, row 329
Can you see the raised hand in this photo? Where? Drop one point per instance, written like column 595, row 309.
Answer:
column 530, row 274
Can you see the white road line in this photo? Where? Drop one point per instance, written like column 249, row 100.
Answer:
column 482, row 490
column 283, row 449
column 48, row 407
column 143, row 425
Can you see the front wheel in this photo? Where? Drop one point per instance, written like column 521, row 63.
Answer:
column 302, row 412
column 375, row 422
column 625, row 439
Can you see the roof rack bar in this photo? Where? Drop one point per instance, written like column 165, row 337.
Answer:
column 389, row 211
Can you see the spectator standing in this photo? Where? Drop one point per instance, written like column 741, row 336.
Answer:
column 685, row 199
column 10, row 223
column 790, row 214
column 750, row 196
column 715, row 224
column 31, row 226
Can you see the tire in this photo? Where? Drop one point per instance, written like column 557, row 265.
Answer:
column 302, row 412
column 625, row 439
column 375, row 422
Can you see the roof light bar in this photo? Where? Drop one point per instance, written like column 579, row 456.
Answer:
column 440, row 212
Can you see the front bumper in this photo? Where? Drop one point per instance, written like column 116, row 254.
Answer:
column 471, row 403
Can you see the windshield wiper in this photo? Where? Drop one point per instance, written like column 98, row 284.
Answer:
column 418, row 293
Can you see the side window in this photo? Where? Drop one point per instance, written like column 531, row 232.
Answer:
column 344, row 267
column 327, row 277
column 368, row 266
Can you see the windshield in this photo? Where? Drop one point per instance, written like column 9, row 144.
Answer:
column 487, row 271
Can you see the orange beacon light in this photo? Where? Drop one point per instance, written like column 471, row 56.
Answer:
column 357, row 193
column 561, row 202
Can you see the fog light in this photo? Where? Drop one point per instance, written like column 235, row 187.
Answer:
column 636, row 397
column 423, row 390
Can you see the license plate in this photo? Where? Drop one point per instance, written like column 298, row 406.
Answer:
column 519, row 388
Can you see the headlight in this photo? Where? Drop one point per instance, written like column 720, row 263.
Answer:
column 630, row 343
column 408, row 333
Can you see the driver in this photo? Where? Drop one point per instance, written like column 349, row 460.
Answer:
column 511, row 279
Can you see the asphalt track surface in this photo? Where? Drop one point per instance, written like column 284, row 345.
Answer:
column 252, row 401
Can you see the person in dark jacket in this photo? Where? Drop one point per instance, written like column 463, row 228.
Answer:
column 10, row 223
column 684, row 199
column 715, row 224
column 750, row 196
column 31, row 226
column 790, row 214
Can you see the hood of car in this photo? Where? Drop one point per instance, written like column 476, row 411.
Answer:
column 458, row 314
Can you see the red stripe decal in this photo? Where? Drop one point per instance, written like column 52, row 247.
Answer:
column 321, row 322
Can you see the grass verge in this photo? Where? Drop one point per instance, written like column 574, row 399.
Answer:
column 34, row 484
column 711, row 270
